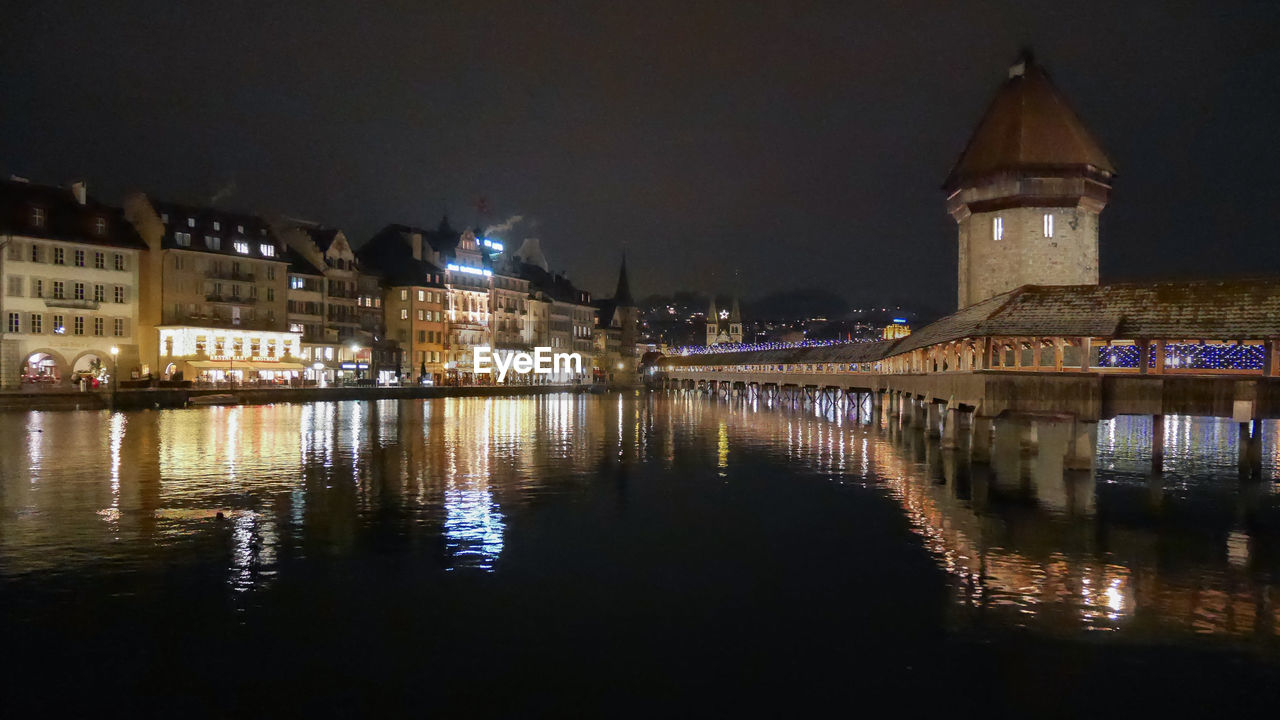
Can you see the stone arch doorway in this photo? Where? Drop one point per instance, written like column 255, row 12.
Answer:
column 90, row 363
column 44, row 367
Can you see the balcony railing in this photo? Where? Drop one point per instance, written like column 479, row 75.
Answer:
column 230, row 275
column 71, row 303
column 230, row 299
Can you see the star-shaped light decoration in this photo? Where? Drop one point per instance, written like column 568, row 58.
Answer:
column 724, row 314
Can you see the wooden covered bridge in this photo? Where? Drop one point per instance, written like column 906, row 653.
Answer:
column 1076, row 353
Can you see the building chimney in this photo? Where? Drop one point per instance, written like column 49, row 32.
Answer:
column 80, row 190
column 415, row 242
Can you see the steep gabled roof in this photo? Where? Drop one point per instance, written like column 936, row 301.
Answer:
column 1028, row 126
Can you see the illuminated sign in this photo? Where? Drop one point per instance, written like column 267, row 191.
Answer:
column 497, row 246
column 900, row 320
column 469, row 270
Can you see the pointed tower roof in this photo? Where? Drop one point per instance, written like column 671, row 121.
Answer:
column 712, row 315
column 1028, row 126
column 622, row 295
column 735, row 315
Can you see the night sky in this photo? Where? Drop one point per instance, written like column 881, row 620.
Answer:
column 801, row 143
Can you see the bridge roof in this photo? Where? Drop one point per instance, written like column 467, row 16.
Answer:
column 1237, row 309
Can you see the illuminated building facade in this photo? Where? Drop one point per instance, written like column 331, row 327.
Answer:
column 616, row 334
column 70, row 292
column 724, row 326
column 213, row 285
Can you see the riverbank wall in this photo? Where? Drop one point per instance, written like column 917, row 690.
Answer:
column 133, row 399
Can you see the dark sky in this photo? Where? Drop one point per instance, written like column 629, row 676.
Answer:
column 802, row 143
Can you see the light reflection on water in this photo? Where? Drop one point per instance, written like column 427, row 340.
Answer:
column 1115, row 551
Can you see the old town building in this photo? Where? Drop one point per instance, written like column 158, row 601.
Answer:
column 617, row 334
column 213, row 285
column 415, row 298
column 70, row 290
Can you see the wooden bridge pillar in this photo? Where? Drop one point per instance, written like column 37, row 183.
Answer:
column 933, row 418
column 1082, row 447
column 951, row 428
column 1251, row 449
column 1157, row 443
column 980, row 439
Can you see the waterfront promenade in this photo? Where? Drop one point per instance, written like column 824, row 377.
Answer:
column 141, row 398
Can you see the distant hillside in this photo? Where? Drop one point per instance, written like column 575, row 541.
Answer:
column 793, row 304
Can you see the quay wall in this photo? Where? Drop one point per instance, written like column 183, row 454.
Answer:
column 130, row 399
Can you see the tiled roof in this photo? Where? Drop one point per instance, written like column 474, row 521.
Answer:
column 64, row 217
column 1029, row 125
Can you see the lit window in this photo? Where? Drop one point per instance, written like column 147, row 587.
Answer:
column 100, row 226
column 1048, row 225
column 182, row 238
column 191, row 222
column 164, row 218
column 295, row 327
column 217, row 226
column 241, row 247
column 404, row 313
column 295, row 283
column 997, row 229
column 421, row 295
column 240, row 229
column 37, row 217
column 267, row 249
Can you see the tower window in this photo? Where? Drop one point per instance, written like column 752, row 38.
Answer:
column 1048, row 225
column 997, row 229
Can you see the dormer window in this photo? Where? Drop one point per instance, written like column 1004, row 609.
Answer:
column 191, row 222
column 267, row 250
column 100, row 226
column 997, row 229
column 37, row 217
column 241, row 247
column 164, row 218
column 240, row 229
column 1048, row 225
column 213, row 242
column 217, row 226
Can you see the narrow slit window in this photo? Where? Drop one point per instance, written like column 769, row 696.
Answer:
column 1048, row 225
column 997, row 229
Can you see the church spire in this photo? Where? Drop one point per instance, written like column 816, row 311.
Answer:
column 622, row 295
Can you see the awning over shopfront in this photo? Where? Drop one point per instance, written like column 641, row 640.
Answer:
column 243, row 365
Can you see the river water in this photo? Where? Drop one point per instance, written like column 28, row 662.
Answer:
column 621, row 555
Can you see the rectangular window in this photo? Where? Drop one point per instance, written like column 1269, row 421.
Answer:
column 14, row 252
column 36, row 255
column 79, row 290
column 79, row 258
column 422, row 336
column 58, row 327
column 404, row 313
column 1048, row 225
column 217, row 225
column 99, row 293
column 118, row 327
column 241, row 247
column 271, row 294
column 99, row 326
column 422, row 296
column 78, row 325
column 295, row 283
column 37, row 323
column 404, row 295
column 295, row 327
column 15, row 322
column 213, row 242
column 37, row 217
column 422, row 315
column 37, row 288
column 183, row 239
column 997, row 229
column 15, row 286
column 59, row 256
column 100, row 261
column 271, row 273
column 267, row 249
column 119, row 293
column 119, row 260
column 59, row 290
column 191, row 222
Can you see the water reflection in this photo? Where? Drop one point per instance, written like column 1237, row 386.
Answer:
column 446, row 483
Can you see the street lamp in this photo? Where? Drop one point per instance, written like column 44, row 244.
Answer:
column 115, row 366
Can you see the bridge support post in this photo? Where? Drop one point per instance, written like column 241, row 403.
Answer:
column 980, row 442
column 951, row 429
column 1251, row 450
column 933, row 418
column 1082, row 447
column 908, row 411
column 1157, row 443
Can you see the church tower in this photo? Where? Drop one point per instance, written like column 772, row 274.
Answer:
column 1027, row 191
column 735, row 322
column 713, row 323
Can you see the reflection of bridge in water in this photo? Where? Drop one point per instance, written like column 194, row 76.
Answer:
column 1055, row 550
